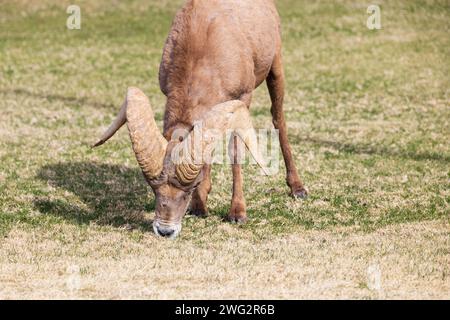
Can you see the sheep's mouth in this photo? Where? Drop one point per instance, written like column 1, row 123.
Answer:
column 170, row 231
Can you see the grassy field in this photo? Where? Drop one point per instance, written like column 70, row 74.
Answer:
column 368, row 116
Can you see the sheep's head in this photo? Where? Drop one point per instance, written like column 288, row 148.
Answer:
column 174, row 168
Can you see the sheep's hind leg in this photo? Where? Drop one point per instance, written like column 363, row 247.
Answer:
column 275, row 83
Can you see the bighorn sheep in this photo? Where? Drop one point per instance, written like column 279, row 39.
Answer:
column 216, row 54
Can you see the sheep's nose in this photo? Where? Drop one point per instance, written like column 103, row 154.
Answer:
column 165, row 232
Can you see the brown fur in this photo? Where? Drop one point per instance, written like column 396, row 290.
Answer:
column 221, row 50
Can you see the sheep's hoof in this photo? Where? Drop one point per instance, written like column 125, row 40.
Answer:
column 301, row 193
column 237, row 213
column 236, row 219
column 236, row 216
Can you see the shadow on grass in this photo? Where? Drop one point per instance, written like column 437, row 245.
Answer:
column 104, row 194
column 57, row 97
column 352, row 148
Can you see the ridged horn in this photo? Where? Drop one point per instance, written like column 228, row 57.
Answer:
column 231, row 115
column 187, row 173
column 148, row 143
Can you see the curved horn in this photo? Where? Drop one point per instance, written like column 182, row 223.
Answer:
column 187, row 173
column 115, row 126
column 188, row 170
column 231, row 115
column 148, row 143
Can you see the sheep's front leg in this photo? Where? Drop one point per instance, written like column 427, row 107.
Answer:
column 200, row 196
column 238, row 213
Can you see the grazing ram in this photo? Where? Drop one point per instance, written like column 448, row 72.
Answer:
column 216, row 54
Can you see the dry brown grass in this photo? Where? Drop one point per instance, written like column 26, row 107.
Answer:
column 413, row 261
